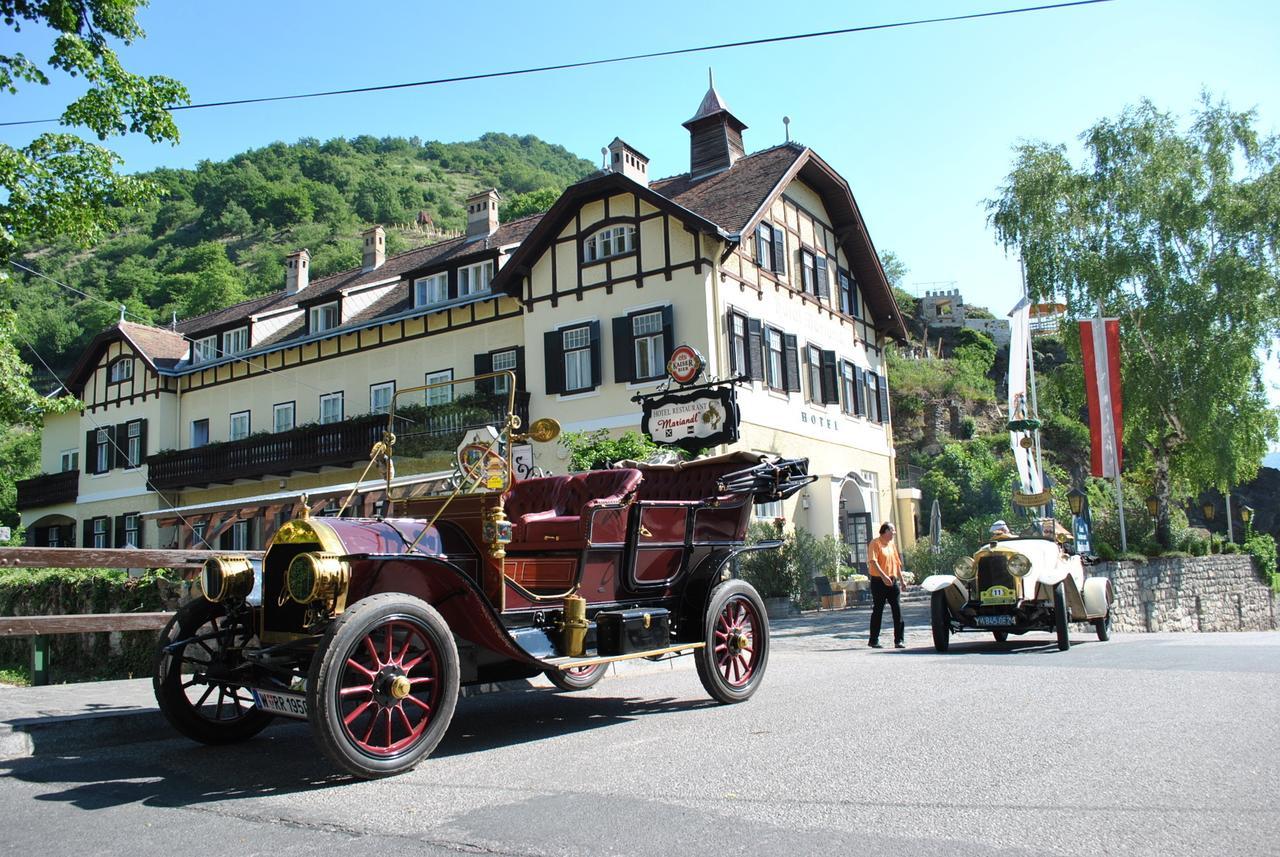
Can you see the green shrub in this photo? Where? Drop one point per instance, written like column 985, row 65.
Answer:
column 1105, row 552
column 1230, row 547
column 1262, row 547
column 768, row 570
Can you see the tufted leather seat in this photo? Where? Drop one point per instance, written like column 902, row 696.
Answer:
column 557, row 509
column 690, row 481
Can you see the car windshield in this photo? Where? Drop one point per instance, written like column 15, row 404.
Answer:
column 451, row 437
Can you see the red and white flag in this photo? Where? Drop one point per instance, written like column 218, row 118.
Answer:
column 1100, row 348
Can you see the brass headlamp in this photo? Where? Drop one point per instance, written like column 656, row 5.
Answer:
column 317, row 576
column 226, row 578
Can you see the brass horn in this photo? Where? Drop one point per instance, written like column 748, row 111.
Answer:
column 544, row 430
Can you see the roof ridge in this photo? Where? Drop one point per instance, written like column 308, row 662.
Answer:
column 792, row 144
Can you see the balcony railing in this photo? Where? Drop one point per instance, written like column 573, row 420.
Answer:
column 48, row 489
column 308, row 448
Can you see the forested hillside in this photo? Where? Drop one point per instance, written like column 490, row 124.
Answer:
column 218, row 234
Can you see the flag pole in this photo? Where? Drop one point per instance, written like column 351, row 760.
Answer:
column 1031, row 369
column 1115, row 450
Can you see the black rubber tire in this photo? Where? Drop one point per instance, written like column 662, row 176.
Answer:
column 1001, row 636
column 1061, row 618
column 571, row 681
column 343, row 642
column 730, row 605
column 199, row 719
column 1103, row 627
column 940, row 620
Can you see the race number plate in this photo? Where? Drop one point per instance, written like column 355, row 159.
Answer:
column 288, row 704
column 994, row 621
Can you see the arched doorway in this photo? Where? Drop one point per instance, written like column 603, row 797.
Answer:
column 855, row 518
column 52, row 531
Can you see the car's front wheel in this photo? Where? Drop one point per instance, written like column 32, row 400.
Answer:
column 1062, row 621
column 1001, row 636
column 1103, row 626
column 940, row 619
column 383, row 685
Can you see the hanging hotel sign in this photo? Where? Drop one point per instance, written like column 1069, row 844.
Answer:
column 691, row 420
column 685, row 365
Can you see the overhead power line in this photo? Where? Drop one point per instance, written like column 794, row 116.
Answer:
column 866, row 28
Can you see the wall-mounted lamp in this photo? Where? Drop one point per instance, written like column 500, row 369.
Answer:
column 1208, row 509
column 1075, row 499
column 1246, row 514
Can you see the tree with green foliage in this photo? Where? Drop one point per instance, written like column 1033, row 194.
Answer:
column 1177, row 233
column 895, row 271
column 534, row 202
column 59, row 184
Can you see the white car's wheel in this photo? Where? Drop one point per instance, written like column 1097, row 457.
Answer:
column 940, row 618
column 1060, row 618
column 1103, row 626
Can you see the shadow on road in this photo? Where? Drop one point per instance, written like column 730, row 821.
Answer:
column 285, row 760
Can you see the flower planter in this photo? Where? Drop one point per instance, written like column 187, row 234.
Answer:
column 835, row 601
column 779, row 608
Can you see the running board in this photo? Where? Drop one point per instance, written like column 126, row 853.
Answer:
column 574, row 663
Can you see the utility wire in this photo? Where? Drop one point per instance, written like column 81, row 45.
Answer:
column 611, row 60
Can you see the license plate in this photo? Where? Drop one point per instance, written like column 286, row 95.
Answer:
column 288, row 704
column 996, row 620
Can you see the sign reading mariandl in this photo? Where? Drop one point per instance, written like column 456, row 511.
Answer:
column 693, row 418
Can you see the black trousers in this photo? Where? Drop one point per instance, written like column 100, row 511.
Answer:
column 880, row 593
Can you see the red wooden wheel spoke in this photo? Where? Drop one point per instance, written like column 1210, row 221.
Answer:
column 404, row 650
column 404, row 718
column 406, row 647
column 419, row 703
column 355, row 689
column 373, row 652
column 373, row 721
column 408, row 668
column 350, row 718
column 425, row 679
column 351, row 662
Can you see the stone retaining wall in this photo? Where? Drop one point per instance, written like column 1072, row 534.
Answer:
column 1202, row 593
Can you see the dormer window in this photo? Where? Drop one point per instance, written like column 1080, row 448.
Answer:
column 324, row 317
column 121, row 370
column 608, row 242
column 474, row 279
column 431, row 290
column 204, row 349
column 235, row 341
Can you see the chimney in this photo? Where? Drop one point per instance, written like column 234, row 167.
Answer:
column 715, row 136
column 297, row 271
column 628, row 161
column 482, row 214
column 375, row 248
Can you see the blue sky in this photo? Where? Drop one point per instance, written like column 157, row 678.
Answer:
column 921, row 120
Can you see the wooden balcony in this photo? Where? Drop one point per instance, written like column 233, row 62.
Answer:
column 307, row 448
column 48, row 489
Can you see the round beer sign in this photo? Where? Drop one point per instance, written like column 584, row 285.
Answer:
column 685, row 365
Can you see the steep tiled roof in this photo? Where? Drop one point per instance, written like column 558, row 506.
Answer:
column 163, row 347
column 729, row 198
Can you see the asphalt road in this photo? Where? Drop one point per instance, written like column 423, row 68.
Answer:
column 1146, row 745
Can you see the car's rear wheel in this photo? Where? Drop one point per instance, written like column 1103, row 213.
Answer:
column 940, row 619
column 578, row 678
column 383, row 685
column 1001, row 636
column 1060, row 617
column 1103, row 626
column 732, row 663
column 193, row 680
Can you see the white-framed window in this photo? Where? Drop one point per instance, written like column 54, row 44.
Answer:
column 764, row 246
column 577, row 358
column 240, row 536
column 283, row 416
column 235, row 341
column 324, row 317
column 380, row 396
column 199, row 433
column 102, row 451
column 331, row 408
column 69, row 459
column 848, row 385
column 808, row 272
column 204, row 349
column 813, row 366
column 101, row 536
column 649, row 346
column 55, row 537
column 474, row 279
column 133, row 444
column 132, row 529
column 773, row 371
column 197, row 534
column 873, row 492
column 508, row 360
column 121, row 370
column 443, row 394
column 431, row 290
column 610, row 241
column 239, row 425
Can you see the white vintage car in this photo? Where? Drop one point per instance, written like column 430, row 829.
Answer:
column 1014, row 585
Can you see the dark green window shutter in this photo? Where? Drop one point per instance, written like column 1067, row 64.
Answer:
column 142, row 442
column 553, row 354
column 668, row 334
column 624, row 353
column 520, row 382
column 755, row 348
column 779, row 250
column 597, row 364
column 882, row 382
column 86, row 538
column 823, row 287
column 119, row 539
column 790, row 363
column 90, row 451
column 830, row 379
column 484, row 365
column 842, row 284
column 859, row 396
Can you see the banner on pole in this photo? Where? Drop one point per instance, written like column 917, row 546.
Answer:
column 1019, row 405
column 1100, row 350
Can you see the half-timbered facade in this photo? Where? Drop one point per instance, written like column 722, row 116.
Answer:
column 212, row 430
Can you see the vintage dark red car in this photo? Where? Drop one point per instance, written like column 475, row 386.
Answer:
column 367, row 627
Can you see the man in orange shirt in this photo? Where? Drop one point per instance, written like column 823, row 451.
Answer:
column 885, row 566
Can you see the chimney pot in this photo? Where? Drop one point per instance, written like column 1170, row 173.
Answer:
column 482, row 214
column 375, row 248
column 297, row 271
column 628, row 161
